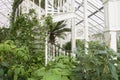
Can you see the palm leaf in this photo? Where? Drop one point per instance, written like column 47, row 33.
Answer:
column 63, row 30
column 62, row 35
column 56, row 29
column 59, row 26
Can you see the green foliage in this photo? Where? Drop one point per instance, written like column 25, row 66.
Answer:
column 22, row 29
column 79, row 45
column 59, row 69
column 18, row 57
column 4, row 34
column 16, row 63
column 12, row 59
column 93, row 45
column 25, row 28
column 67, row 45
column 96, row 65
column 118, row 67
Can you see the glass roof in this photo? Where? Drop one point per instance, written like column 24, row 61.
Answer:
column 5, row 10
column 95, row 14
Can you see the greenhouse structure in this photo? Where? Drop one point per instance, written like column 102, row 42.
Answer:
column 59, row 39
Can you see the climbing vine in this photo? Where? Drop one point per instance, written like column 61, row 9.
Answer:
column 15, row 5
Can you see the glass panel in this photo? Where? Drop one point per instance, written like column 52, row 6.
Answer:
column 5, row 11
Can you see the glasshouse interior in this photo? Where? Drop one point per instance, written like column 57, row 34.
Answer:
column 59, row 39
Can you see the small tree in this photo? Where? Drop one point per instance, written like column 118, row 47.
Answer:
column 56, row 29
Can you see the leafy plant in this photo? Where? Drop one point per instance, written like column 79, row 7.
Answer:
column 23, row 31
column 59, row 69
column 79, row 45
column 93, row 45
column 98, row 64
column 13, row 60
column 4, row 34
column 16, row 63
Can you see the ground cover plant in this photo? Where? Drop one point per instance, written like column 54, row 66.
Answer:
column 18, row 64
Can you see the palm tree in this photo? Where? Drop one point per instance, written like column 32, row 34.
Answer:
column 56, row 29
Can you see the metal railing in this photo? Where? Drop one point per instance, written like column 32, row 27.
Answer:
column 55, row 50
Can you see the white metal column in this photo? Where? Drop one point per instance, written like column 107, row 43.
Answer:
column 86, row 26
column 33, row 4
column 28, row 3
column 112, row 22
column 46, row 40
column 52, row 7
column 73, row 30
column 58, row 8
column 39, row 9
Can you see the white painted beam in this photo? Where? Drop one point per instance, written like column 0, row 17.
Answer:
column 63, row 16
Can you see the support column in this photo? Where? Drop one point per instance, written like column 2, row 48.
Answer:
column 46, row 7
column 73, row 37
column 46, row 39
column 68, row 5
column 113, row 41
column 73, row 30
column 28, row 3
column 86, row 26
column 39, row 9
column 112, row 24
column 63, row 2
column 33, row 4
column 58, row 7
column 52, row 7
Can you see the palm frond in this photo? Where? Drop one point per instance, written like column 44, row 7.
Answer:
column 56, row 29
column 60, row 23
column 61, row 35
column 63, row 30
column 59, row 27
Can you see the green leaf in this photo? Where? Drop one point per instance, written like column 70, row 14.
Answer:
column 32, row 79
column 10, row 72
column 113, row 71
column 51, row 76
column 5, row 64
column 39, row 72
column 15, row 77
column 1, row 72
column 64, row 78
column 17, row 71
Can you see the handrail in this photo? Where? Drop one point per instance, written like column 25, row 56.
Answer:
column 55, row 50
